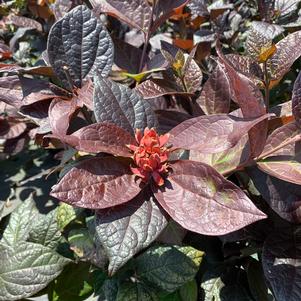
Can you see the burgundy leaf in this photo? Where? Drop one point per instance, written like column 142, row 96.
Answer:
column 126, row 229
column 60, row 113
column 158, row 87
column 136, row 13
column 280, row 142
column 226, row 161
column 11, row 128
column 296, row 100
column 21, row 21
column 215, row 96
column 101, row 137
column 61, row 7
column 282, row 154
column 213, row 133
column 97, row 183
column 250, row 100
column 62, row 110
column 19, row 91
column 165, row 9
column 247, row 66
column 287, row 52
column 193, row 76
column 283, row 109
column 201, row 200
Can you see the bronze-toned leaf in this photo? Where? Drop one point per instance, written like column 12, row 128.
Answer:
column 198, row 198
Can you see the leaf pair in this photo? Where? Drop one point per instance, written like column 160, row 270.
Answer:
column 194, row 194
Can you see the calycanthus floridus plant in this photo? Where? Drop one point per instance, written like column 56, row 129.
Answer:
column 167, row 158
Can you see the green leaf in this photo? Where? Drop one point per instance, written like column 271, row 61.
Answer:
column 75, row 283
column 189, row 291
column 81, row 242
column 45, row 231
column 26, row 269
column 256, row 281
column 134, row 292
column 20, row 223
column 66, row 214
column 169, row 267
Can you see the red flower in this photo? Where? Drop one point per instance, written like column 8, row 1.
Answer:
column 150, row 155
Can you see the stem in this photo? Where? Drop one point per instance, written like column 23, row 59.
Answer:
column 267, row 85
column 147, row 37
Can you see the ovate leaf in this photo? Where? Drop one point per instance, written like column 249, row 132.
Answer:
column 136, row 13
column 45, row 230
column 97, row 183
column 215, row 96
column 80, row 43
column 125, row 230
column 201, row 200
column 282, row 154
column 283, row 197
column 243, row 88
column 118, row 104
column 26, row 269
column 101, row 137
column 74, row 283
column 20, row 223
column 211, row 134
column 135, row 291
column 169, row 267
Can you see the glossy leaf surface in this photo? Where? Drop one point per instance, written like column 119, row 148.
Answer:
column 211, row 134
column 80, row 43
column 125, row 230
column 97, row 183
column 118, row 104
column 201, row 200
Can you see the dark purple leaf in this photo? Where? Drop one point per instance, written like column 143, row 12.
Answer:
column 281, row 261
column 97, row 183
column 215, row 97
column 198, row 8
column 120, row 105
column 127, row 229
column 296, row 100
column 80, row 43
column 126, row 56
column 285, row 7
column 165, row 9
column 158, row 87
column 136, row 13
column 193, row 76
column 11, row 128
column 168, row 119
column 101, row 137
column 213, row 133
column 201, row 200
column 283, row 197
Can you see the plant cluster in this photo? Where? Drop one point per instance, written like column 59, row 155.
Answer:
column 150, row 150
